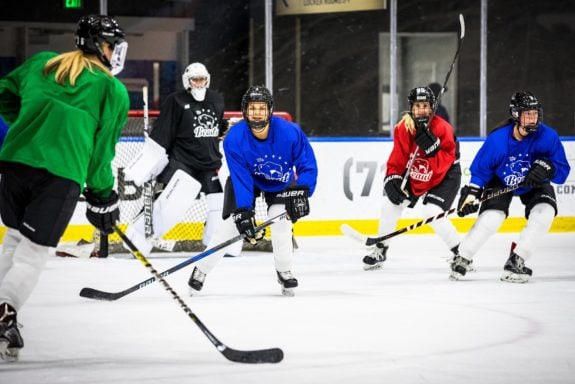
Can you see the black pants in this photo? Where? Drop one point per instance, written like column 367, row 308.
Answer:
column 36, row 202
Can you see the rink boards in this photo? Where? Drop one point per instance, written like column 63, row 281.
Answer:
column 350, row 184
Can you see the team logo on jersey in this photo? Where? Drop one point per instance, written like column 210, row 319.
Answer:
column 272, row 168
column 205, row 123
column 516, row 169
column 420, row 170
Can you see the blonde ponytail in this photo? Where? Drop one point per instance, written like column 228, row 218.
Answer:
column 68, row 66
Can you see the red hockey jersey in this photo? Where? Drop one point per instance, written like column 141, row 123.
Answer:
column 426, row 172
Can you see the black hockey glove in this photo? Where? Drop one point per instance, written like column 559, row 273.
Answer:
column 540, row 172
column 296, row 202
column 425, row 139
column 392, row 187
column 102, row 213
column 246, row 224
column 468, row 198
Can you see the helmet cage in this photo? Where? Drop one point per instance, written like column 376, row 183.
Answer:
column 93, row 30
column 525, row 101
column 260, row 94
column 421, row 94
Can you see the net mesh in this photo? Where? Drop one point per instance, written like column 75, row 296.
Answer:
column 186, row 236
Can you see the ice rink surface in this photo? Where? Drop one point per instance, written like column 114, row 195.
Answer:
column 406, row 323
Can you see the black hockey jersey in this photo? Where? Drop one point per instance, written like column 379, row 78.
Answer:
column 189, row 130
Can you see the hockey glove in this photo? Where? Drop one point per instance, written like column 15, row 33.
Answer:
column 541, row 171
column 102, row 213
column 246, row 224
column 392, row 187
column 467, row 203
column 425, row 139
column 296, row 202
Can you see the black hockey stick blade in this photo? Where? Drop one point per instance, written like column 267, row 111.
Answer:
column 96, row 294
column 272, row 355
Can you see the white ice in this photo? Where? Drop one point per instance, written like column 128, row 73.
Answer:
column 406, row 323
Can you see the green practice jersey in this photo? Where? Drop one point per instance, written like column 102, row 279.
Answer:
column 71, row 131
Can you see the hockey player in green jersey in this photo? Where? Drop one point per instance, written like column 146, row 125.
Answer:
column 65, row 113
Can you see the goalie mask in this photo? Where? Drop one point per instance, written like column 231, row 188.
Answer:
column 95, row 30
column 525, row 101
column 257, row 93
column 196, row 80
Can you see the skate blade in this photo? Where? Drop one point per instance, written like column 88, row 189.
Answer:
column 455, row 276
column 192, row 292
column 374, row 267
column 510, row 277
column 8, row 354
column 289, row 292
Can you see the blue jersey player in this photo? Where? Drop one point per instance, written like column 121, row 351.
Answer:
column 270, row 156
column 526, row 152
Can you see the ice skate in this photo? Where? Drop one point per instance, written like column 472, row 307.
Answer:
column 515, row 271
column 288, row 283
column 196, row 281
column 10, row 339
column 376, row 258
column 459, row 267
column 455, row 253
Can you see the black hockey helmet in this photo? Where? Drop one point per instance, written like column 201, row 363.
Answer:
column 419, row 94
column 257, row 93
column 525, row 101
column 93, row 30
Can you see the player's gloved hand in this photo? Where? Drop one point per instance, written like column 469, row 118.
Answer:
column 102, row 213
column 425, row 139
column 392, row 187
column 246, row 224
column 540, row 172
column 296, row 202
column 468, row 198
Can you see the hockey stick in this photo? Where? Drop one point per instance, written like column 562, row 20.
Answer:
column 366, row 240
column 91, row 293
column 271, row 355
column 148, row 188
column 438, row 100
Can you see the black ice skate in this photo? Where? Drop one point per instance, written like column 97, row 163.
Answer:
column 455, row 253
column 515, row 271
column 459, row 267
column 10, row 339
column 196, row 282
column 288, row 283
column 376, row 258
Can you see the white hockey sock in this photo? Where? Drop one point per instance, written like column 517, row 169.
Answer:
column 487, row 224
column 215, row 203
column 389, row 215
column 224, row 232
column 27, row 264
column 281, row 239
column 11, row 240
column 540, row 220
column 443, row 227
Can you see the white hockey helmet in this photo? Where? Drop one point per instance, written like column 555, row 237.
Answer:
column 193, row 71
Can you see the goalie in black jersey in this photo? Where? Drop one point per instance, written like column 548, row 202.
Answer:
column 185, row 140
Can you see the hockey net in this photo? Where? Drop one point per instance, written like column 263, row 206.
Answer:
column 186, row 236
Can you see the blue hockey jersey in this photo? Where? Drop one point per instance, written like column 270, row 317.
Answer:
column 271, row 164
column 509, row 160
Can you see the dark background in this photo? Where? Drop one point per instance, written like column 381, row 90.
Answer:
column 530, row 46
